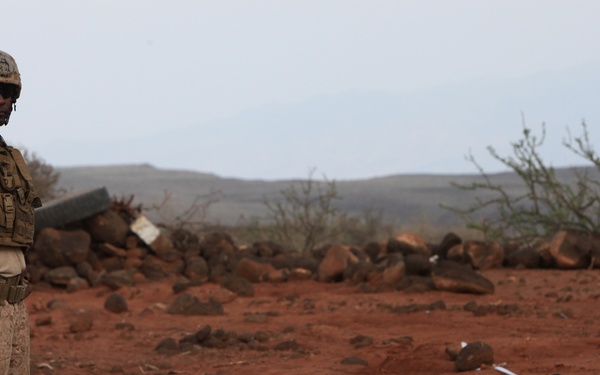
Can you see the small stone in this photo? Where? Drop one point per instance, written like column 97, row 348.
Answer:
column 115, row 303
column 187, row 304
column 167, row 346
column 452, row 350
column 287, row 345
column 261, row 336
column 82, row 322
column 474, row 355
column 361, row 341
column 238, row 285
column 125, row 326
column 43, row 320
column 203, row 333
column 354, row 360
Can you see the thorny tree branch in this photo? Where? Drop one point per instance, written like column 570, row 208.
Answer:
column 547, row 205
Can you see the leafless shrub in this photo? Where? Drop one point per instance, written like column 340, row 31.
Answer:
column 548, row 204
column 44, row 176
column 306, row 217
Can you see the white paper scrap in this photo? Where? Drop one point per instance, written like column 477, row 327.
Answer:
column 145, row 230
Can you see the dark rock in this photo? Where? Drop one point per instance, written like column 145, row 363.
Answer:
column 483, row 255
column 359, row 272
column 527, row 257
column 408, row 243
column 110, row 264
column 253, row 270
column 217, row 243
column 354, row 360
column 167, row 346
column 111, row 250
column 181, row 286
column 417, row 307
column 77, row 283
column 572, row 249
column 452, row 351
column 153, row 268
column 61, row 275
column 335, row 262
column 450, row 240
column 238, row 285
column 202, row 334
column 187, row 304
column 107, row 226
column 196, row 268
column 266, row 249
column 118, row 279
column 417, row 264
column 115, row 303
column 57, row 248
column 473, row 356
column 415, row 284
column 85, row 270
column 361, row 341
column 292, row 260
column 126, row 326
column 81, row 321
column 373, row 250
column 261, row 336
column 454, row 277
column 287, row 345
column 400, row 247
column 164, row 250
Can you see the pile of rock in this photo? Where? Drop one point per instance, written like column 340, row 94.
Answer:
column 112, row 248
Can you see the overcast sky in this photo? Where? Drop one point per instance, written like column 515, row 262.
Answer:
column 122, row 68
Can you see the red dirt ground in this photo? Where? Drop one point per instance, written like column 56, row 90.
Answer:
column 552, row 331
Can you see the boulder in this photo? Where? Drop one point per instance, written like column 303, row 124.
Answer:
column 107, row 226
column 572, row 249
column 473, row 355
column 238, row 285
column 408, row 243
column 253, row 270
column 454, row 277
column 483, row 255
column 57, row 248
column 450, row 240
column 526, row 257
column 196, row 268
column 337, row 258
column 115, row 303
column 61, row 275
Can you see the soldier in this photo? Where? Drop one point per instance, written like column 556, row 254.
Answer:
column 17, row 203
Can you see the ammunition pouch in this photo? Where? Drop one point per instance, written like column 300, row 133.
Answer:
column 17, row 200
column 13, row 290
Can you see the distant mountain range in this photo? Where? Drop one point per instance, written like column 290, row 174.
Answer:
column 406, row 201
column 357, row 134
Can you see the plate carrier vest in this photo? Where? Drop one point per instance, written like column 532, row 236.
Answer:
column 17, row 199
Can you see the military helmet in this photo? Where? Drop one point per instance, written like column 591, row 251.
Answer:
column 9, row 73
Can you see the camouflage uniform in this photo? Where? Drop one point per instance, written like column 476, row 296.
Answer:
column 14, row 339
column 17, row 203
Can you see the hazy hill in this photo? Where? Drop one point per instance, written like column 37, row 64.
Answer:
column 403, row 199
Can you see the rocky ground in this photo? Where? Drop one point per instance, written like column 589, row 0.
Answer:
column 537, row 321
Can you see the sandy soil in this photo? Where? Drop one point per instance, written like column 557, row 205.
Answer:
column 537, row 322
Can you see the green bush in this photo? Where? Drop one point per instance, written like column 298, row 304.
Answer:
column 548, row 203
